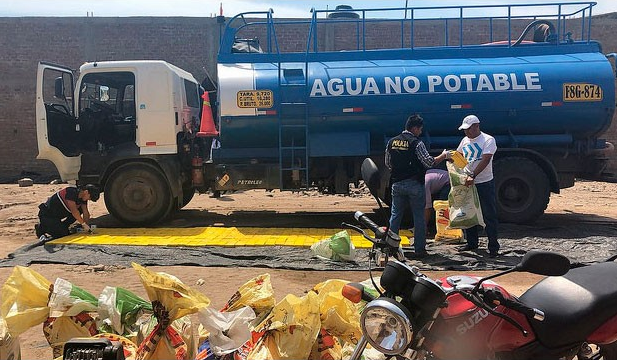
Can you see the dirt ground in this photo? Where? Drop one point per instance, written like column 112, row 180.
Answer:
column 587, row 201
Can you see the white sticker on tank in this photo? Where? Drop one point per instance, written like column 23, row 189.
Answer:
column 234, row 78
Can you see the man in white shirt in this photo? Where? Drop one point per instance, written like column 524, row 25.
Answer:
column 478, row 149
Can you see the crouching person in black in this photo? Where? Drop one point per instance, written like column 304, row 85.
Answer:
column 64, row 208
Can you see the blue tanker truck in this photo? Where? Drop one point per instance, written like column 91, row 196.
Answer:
column 305, row 113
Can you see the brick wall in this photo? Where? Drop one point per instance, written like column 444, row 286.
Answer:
column 190, row 43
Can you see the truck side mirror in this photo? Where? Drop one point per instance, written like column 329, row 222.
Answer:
column 59, row 88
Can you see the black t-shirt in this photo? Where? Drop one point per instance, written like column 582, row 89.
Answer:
column 56, row 204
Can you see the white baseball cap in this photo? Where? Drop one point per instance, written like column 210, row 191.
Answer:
column 468, row 121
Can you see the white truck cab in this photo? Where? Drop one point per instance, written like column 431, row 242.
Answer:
column 118, row 113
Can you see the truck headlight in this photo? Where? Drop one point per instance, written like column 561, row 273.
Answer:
column 387, row 326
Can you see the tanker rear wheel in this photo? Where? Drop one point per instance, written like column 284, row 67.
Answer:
column 522, row 190
column 138, row 194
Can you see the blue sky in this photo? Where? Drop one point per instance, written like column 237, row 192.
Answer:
column 206, row 8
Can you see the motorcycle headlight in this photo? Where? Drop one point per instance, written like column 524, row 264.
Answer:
column 387, row 326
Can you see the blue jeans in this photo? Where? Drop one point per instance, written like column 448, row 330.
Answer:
column 409, row 193
column 488, row 203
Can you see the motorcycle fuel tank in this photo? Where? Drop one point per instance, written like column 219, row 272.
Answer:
column 462, row 330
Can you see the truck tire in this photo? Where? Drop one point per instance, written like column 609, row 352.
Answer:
column 138, row 194
column 522, row 190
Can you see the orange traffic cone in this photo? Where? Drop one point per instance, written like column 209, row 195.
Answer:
column 206, row 127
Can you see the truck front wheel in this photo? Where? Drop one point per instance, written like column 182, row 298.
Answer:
column 138, row 194
column 187, row 195
column 522, row 190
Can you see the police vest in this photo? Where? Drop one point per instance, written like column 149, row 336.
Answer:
column 403, row 159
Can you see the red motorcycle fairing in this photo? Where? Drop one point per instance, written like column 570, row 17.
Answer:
column 464, row 331
column 505, row 337
column 605, row 334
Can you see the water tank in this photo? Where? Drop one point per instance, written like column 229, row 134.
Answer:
column 343, row 12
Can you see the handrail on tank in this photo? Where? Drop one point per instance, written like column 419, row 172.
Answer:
column 228, row 41
column 560, row 15
column 312, row 30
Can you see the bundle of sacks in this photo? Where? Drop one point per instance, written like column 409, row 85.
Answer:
column 155, row 329
column 252, row 325
column 464, row 211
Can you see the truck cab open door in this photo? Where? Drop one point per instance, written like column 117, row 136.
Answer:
column 57, row 129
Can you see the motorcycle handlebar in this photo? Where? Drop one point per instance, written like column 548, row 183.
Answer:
column 529, row 312
column 389, row 239
column 482, row 301
column 496, row 295
column 353, row 227
column 366, row 221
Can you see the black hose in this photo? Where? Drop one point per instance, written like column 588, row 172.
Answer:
column 551, row 30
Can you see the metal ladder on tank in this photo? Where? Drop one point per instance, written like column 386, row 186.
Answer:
column 293, row 127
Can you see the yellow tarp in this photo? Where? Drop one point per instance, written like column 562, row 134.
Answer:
column 212, row 236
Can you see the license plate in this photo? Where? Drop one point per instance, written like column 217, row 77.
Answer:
column 582, row 92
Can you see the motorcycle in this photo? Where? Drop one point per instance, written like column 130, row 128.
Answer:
column 570, row 313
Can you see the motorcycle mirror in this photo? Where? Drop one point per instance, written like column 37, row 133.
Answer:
column 544, row 263
column 370, row 175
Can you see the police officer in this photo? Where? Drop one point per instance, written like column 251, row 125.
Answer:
column 408, row 159
column 64, row 208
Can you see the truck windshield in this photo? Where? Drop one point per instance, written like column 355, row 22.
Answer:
column 111, row 93
column 107, row 114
